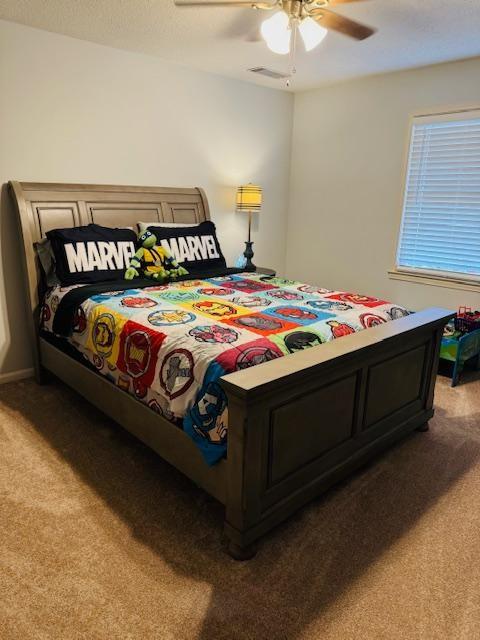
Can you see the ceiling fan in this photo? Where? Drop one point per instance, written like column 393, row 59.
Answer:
column 311, row 18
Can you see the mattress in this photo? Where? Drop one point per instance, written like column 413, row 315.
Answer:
column 168, row 345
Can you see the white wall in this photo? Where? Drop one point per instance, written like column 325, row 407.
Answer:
column 72, row 111
column 75, row 111
column 349, row 148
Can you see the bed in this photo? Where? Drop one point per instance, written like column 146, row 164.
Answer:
column 296, row 424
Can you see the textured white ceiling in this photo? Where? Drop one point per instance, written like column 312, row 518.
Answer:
column 410, row 33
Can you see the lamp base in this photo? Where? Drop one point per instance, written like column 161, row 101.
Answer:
column 248, row 253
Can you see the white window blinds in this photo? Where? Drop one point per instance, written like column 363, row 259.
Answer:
column 440, row 232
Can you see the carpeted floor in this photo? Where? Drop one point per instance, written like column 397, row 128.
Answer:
column 100, row 539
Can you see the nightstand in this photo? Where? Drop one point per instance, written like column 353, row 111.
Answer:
column 265, row 271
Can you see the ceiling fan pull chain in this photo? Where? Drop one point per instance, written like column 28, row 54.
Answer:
column 293, row 49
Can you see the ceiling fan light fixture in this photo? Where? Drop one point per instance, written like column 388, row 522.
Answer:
column 312, row 33
column 277, row 33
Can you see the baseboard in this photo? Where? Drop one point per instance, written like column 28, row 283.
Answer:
column 12, row 376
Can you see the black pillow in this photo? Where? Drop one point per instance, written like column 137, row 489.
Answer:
column 196, row 248
column 91, row 253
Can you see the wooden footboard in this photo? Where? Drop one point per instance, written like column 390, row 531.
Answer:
column 299, row 424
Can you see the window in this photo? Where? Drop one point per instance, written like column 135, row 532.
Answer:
column 440, row 231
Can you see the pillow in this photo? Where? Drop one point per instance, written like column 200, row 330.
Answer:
column 92, row 253
column 144, row 225
column 47, row 261
column 195, row 247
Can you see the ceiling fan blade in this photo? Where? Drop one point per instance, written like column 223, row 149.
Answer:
column 225, row 3
column 244, row 27
column 344, row 25
column 254, row 36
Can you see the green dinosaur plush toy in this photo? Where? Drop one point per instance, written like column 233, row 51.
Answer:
column 153, row 261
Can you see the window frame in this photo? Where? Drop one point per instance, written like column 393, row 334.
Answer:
column 450, row 279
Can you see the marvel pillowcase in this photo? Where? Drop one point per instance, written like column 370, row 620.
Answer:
column 92, row 253
column 196, row 247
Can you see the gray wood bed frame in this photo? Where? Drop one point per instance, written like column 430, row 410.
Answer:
column 296, row 424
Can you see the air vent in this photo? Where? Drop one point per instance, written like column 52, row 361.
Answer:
column 263, row 71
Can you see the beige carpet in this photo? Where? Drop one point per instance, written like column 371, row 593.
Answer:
column 100, row 539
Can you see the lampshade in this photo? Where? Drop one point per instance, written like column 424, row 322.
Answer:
column 249, row 198
column 277, row 33
column 312, row 33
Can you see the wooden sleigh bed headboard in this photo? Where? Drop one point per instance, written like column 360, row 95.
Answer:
column 44, row 206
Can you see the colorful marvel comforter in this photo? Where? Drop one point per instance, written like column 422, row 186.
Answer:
column 168, row 345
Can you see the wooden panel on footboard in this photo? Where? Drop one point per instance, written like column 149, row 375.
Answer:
column 300, row 423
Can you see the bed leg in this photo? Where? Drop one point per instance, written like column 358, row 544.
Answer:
column 241, row 553
column 423, row 427
column 43, row 376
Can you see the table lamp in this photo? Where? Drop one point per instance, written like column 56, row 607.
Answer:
column 249, row 199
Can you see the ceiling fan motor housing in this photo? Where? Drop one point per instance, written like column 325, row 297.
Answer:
column 293, row 8
column 299, row 9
